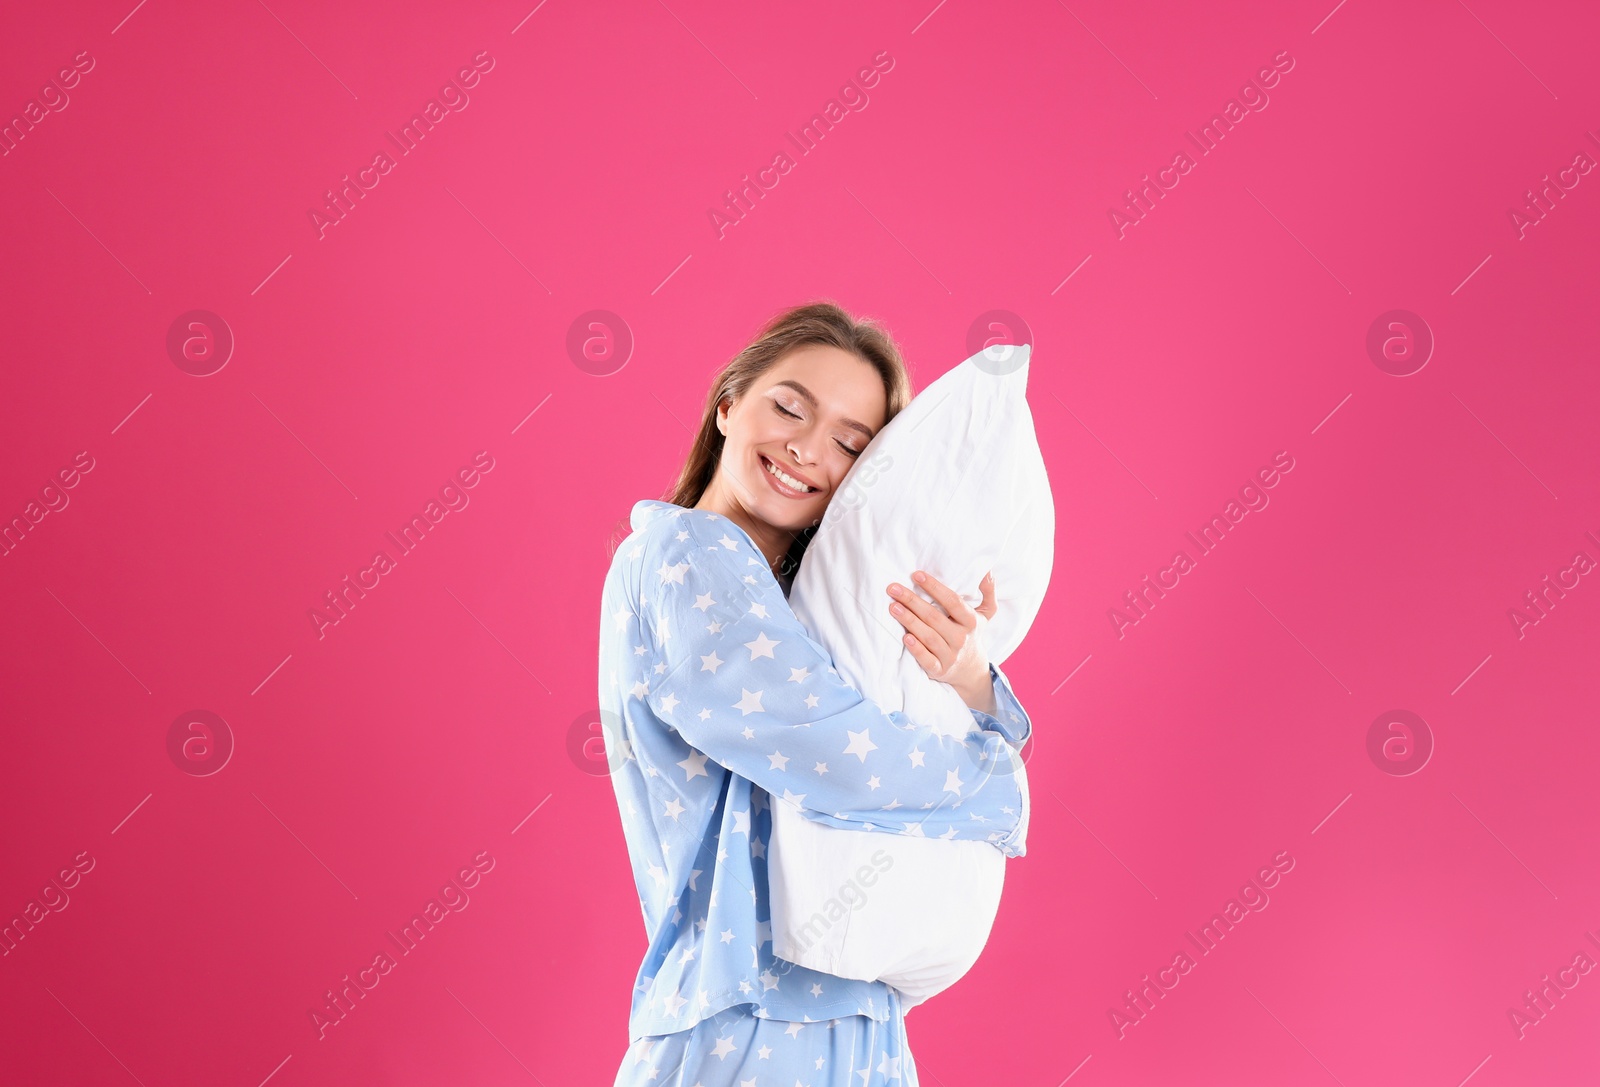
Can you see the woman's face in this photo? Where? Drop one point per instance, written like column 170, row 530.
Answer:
column 809, row 415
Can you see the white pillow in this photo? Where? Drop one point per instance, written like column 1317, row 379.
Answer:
column 954, row 485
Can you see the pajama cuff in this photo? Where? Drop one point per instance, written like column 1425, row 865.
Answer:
column 1009, row 718
column 1012, row 722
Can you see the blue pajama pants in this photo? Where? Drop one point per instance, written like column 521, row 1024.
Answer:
column 734, row 1048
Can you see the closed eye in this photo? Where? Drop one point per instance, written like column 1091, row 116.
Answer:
column 785, row 411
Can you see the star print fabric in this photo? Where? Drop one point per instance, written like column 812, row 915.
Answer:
column 735, row 1049
column 714, row 701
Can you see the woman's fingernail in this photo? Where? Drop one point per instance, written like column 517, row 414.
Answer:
column 919, row 576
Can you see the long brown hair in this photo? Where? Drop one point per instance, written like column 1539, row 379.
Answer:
column 822, row 322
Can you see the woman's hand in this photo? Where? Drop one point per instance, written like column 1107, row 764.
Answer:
column 945, row 635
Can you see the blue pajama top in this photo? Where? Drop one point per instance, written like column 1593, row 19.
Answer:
column 714, row 699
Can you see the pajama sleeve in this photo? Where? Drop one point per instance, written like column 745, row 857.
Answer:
column 1009, row 718
column 739, row 677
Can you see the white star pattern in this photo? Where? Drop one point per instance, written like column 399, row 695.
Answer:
column 761, row 647
column 860, row 744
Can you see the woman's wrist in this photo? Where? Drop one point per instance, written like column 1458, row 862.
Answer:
column 979, row 695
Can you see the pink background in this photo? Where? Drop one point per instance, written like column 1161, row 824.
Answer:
column 1230, row 724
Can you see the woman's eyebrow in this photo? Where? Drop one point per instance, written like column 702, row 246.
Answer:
column 812, row 400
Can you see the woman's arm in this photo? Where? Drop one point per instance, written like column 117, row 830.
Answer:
column 742, row 681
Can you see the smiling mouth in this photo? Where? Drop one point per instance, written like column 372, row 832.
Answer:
column 788, row 482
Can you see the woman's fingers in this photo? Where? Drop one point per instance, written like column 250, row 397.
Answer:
column 919, row 652
column 930, row 613
column 927, row 637
column 954, row 606
column 942, row 625
column 939, row 633
column 986, row 586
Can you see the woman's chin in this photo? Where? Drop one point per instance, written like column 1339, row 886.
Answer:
column 788, row 517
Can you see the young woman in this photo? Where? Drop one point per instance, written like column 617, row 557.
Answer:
column 718, row 703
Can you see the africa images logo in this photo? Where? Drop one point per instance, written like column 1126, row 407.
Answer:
column 453, row 94
column 1252, row 94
